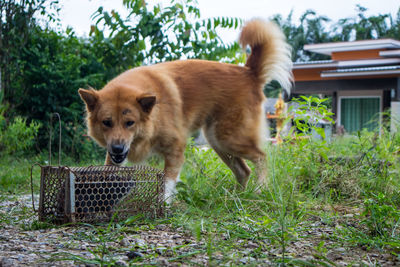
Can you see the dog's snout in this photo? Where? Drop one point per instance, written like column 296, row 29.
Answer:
column 118, row 152
column 117, row 149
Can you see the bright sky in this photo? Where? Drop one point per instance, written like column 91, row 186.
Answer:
column 76, row 13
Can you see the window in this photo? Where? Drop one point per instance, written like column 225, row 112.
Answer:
column 358, row 113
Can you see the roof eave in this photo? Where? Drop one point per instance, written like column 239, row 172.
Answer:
column 329, row 48
column 390, row 53
column 359, row 73
column 315, row 66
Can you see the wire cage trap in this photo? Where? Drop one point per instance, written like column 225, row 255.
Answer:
column 99, row 193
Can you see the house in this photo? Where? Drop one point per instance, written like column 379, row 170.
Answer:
column 362, row 77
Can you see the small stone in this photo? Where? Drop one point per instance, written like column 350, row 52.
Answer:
column 164, row 234
column 309, row 258
column 338, row 257
column 139, row 242
column 161, row 227
column 134, row 254
column 3, row 238
column 6, row 262
column 252, row 245
column 244, row 260
column 164, row 262
column 124, row 242
column 246, row 252
column 161, row 250
column 340, row 250
column 121, row 263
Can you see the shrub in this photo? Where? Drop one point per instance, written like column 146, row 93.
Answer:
column 381, row 218
column 17, row 136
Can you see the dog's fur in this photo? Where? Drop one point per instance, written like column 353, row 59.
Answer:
column 153, row 109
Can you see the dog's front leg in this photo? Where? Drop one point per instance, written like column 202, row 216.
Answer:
column 172, row 169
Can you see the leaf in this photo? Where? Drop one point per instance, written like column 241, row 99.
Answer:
column 142, row 45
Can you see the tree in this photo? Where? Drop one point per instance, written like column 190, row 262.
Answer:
column 161, row 34
column 312, row 29
column 17, row 19
column 364, row 28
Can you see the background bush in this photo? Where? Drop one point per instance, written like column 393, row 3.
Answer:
column 17, row 136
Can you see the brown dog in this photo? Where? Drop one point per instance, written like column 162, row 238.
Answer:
column 153, row 109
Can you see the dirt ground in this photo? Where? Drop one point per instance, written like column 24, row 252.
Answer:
column 162, row 245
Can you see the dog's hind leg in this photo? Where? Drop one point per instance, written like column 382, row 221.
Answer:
column 249, row 152
column 241, row 141
column 238, row 166
column 258, row 157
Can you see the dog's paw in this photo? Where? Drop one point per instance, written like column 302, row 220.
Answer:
column 170, row 191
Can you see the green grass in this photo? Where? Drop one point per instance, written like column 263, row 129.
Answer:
column 309, row 182
column 15, row 171
column 15, row 175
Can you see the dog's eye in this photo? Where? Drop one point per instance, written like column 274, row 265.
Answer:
column 129, row 123
column 107, row 123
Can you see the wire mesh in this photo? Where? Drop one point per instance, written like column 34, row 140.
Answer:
column 99, row 193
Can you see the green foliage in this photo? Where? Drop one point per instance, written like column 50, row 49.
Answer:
column 17, row 19
column 161, row 34
column 381, row 218
column 309, row 112
column 364, row 28
column 17, row 137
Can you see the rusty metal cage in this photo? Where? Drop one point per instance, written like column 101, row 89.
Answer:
column 99, row 193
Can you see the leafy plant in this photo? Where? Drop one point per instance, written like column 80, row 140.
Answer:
column 381, row 218
column 309, row 112
column 161, row 34
column 18, row 136
column 17, row 20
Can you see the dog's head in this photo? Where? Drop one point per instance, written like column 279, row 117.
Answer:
column 116, row 117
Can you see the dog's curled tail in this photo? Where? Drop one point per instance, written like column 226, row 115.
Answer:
column 270, row 57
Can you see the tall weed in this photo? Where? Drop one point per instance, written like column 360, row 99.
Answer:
column 17, row 136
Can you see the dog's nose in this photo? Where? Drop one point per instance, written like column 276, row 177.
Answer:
column 117, row 149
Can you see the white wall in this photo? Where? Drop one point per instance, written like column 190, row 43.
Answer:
column 395, row 116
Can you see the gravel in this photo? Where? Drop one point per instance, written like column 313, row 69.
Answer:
column 24, row 242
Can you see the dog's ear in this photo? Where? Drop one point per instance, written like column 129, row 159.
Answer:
column 89, row 97
column 147, row 102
